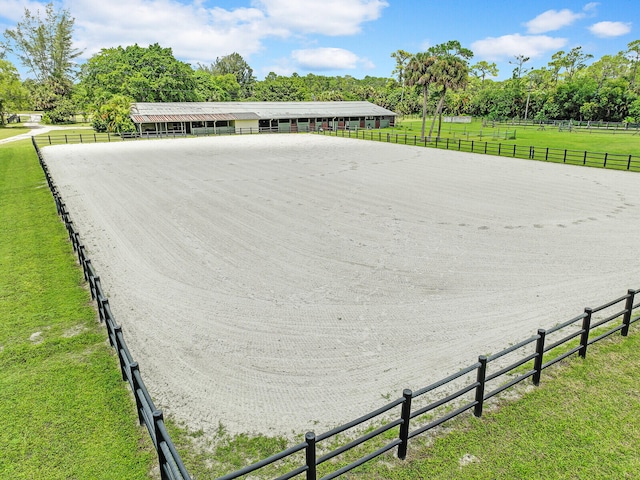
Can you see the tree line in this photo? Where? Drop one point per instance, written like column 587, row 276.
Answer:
column 442, row 79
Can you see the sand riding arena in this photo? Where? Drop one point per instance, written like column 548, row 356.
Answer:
column 285, row 283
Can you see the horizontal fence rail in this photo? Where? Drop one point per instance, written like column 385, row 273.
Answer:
column 569, row 125
column 574, row 157
column 95, row 137
column 391, row 424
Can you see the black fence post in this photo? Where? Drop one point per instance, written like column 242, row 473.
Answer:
column 499, row 149
column 564, row 160
column 310, row 438
column 117, row 330
column 626, row 321
column 584, row 159
column 404, row 428
column 584, row 338
column 629, row 163
column 162, row 460
column 103, row 308
column 82, row 255
column 482, row 374
column 537, row 363
column 133, row 368
column 91, row 279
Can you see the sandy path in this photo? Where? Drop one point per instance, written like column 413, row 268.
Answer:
column 286, row 283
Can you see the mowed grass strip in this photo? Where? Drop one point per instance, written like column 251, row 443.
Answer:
column 64, row 411
column 8, row 132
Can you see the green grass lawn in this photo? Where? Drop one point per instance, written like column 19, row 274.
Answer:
column 580, row 140
column 12, row 131
column 64, row 411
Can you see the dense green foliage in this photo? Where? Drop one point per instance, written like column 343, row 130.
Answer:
column 145, row 74
column 65, row 411
column 44, row 47
column 13, row 95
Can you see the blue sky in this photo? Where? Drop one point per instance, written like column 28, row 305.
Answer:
column 346, row 37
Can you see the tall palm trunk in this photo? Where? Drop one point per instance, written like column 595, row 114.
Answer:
column 440, row 108
column 435, row 116
column 425, row 96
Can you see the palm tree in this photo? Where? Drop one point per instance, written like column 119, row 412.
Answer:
column 402, row 57
column 451, row 73
column 419, row 71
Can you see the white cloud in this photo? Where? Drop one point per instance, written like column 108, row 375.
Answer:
column 590, row 7
column 14, row 9
column 325, row 59
column 326, row 17
column 198, row 33
column 610, row 29
column 499, row 48
column 195, row 33
column 552, row 20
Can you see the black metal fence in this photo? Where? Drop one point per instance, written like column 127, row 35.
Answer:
column 394, row 424
column 556, row 155
column 94, row 137
column 171, row 465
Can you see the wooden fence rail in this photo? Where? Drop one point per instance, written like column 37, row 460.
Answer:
column 472, row 386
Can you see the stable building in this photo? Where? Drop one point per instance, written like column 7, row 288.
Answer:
column 203, row 118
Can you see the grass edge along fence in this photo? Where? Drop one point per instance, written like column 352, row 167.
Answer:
column 171, row 465
column 573, row 157
column 575, row 337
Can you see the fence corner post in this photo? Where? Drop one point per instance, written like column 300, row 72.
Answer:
column 404, row 428
column 482, row 374
column 537, row 364
column 310, row 438
column 584, row 338
column 626, row 321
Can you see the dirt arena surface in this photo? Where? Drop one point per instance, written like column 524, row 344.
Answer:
column 287, row 283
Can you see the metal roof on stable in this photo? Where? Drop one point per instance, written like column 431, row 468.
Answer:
column 209, row 111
